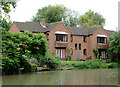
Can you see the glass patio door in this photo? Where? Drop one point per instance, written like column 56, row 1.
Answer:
column 60, row 52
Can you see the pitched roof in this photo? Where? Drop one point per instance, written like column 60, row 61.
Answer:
column 83, row 31
column 31, row 26
column 37, row 27
column 111, row 33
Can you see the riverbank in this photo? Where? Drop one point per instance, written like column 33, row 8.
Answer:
column 90, row 64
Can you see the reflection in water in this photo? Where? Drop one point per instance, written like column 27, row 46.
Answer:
column 65, row 77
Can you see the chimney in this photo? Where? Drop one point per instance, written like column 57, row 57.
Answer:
column 43, row 23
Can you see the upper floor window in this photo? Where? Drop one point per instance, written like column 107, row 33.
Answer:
column 84, row 39
column 75, row 46
column 85, row 51
column 61, row 37
column 79, row 46
column 101, row 40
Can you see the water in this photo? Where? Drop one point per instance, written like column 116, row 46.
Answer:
column 65, row 77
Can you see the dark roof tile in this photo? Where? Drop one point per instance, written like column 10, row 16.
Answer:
column 37, row 27
column 30, row 26
column 82, row 31
column 110, row 32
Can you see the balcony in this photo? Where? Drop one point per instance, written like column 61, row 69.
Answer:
column 61, row 44
column 102, row 42
column 61, row 39
column 102, row 46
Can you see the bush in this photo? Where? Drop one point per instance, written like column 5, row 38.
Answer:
column 51, row 61
column 90, row 64
column 68, row 58
column 10, row 66
column 24, row 63
column 15, row 45
column 112, row 65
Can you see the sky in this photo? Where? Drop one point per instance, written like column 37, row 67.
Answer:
column 26, row 9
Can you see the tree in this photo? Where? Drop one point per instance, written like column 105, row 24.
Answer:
column 90, row 19
column 71, row 19
column 57, row 13
column 50, row 13
column 17, row 48
column 4, row 10
column 114, row 46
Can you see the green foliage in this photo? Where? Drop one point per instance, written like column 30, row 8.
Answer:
column 56, row 13
column 95, row 51
column 91, row 18
column 33, row 45
column 10, row 66
column 112, row 65
column 114, row 46
column 71, row 19
column 68, row 58
column 51, row 61
column 91, row 64
column 17, row 45
column 6, row 7
column 50, row 13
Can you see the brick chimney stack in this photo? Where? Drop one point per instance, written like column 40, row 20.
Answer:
column 43, row 23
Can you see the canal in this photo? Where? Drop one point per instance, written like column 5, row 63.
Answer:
column 65, row 77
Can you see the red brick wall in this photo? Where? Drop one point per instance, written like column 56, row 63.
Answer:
column 52, row 37
column 93, row 41
column 77, row 54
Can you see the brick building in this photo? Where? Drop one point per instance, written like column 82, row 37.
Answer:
column 74, row 41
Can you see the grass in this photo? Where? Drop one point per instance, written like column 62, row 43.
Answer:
column 91, row 64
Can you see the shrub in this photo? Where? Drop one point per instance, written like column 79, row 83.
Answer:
column 15, row 45
column 114, row 47
column 68, row 58
column 112, row 65
column 51, row 61
column 10, row 66
column 24, row 63
column 90, row 64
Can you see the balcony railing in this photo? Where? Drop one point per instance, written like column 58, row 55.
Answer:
column 61, row 43
column 102, row 45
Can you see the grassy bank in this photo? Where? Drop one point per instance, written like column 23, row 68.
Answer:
column 91, row 64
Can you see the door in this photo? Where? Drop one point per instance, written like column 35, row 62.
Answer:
column 60, row 52
column 102, row 53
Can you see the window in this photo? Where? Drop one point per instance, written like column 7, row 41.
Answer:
column 71, row 51
column 84, row 39
column 79, row 46
column 60, row 37
column 47, row 36
column 101, row 40
column 71, row 38
column 75, row 46
column 85, row 51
